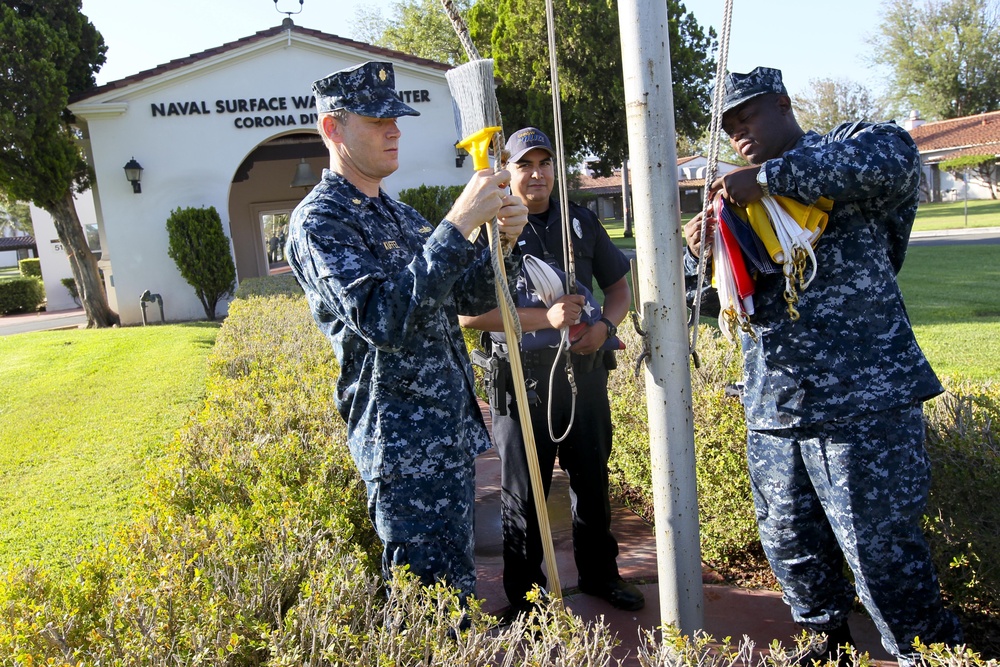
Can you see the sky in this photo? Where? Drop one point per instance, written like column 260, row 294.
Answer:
column 805, row 39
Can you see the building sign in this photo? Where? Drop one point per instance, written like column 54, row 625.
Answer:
column 268, row 111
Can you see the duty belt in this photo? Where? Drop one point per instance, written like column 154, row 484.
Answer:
column 544, row 358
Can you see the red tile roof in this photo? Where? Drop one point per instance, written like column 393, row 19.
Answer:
column 599, row 185
column 262, row 35
column 970, row 135
column 603, row 185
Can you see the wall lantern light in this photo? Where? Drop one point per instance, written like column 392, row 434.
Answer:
column 133, row 173
column 304, row 176
column 460, row 155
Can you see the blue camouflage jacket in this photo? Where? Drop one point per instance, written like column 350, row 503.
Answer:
column 852, row 351
column 385, row 287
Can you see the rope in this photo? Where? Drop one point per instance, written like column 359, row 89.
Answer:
column 712, row 167
column 569, row 259
column 461, row 30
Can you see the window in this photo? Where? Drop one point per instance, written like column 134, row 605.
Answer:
column 274, row 230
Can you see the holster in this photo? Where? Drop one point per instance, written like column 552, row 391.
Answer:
column 496, row 378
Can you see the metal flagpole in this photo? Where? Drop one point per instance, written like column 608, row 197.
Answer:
column 655, row 199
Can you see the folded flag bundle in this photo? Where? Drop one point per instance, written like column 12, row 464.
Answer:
column 770, row 236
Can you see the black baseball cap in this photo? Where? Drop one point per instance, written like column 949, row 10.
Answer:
column 526, row 139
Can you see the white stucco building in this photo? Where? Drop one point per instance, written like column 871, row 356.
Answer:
column 227, row 127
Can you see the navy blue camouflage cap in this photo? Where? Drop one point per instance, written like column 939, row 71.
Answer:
column 743, row 87
column 526, row 139
column 368, row 89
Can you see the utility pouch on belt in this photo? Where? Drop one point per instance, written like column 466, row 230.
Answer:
column 495, row 379
column 610, row 360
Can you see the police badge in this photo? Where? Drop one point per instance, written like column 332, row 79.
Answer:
column 578, row 228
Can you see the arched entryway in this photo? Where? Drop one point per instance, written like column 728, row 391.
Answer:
column 262, row 195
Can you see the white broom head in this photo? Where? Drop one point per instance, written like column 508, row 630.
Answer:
column 473, row 93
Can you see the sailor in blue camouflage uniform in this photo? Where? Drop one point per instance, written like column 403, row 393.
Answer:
column 385, row 287
column 833, row 400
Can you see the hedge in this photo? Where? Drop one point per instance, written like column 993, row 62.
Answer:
column 252, row 546
column 431, row 201
column 21, row 295
column 30, row 267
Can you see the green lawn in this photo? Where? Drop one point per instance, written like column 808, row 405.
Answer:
column 952, row 215
column 82, row 415
column 952, row 299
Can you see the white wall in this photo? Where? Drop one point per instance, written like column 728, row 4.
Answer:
column 190, row 160
column 954, row 189
column 52, row 256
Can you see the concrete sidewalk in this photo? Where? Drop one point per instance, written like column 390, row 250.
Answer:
column 728, row 611
column 43, row 321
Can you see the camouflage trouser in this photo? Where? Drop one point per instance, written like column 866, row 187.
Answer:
column 426, row 522
column 853, row 489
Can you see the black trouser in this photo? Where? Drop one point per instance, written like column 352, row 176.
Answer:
column 583, row 455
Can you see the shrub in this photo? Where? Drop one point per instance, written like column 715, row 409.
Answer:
column 70, row 285
column 253, row 546
column 728, row 524
column 962, row 523
column 280, row 285
column 199, row 247
column 256, row 494
column 431, row 201
column 30, row 267
column 21, row 295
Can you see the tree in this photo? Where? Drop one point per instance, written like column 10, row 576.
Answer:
column 14, row 215
column 417, row 27
column 831, row 102
column 200, row 248
column 48, row 52
column 983, row 167
column 942, row 55
column 431, row 201
column 514, row 34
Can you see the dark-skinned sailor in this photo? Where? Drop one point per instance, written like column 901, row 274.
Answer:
column 834, row 398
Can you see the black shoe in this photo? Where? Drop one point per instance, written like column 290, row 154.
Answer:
column 833, row 648
column 620, row 593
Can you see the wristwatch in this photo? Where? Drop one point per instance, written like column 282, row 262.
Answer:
column 762, row 181
column 612, row 329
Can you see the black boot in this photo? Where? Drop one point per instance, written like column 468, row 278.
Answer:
column 833, row 648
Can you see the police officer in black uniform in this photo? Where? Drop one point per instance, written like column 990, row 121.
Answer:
column 585, row 452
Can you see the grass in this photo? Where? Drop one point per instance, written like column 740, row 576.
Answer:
column 82, row 415
column 952, row 215
column 954, row 305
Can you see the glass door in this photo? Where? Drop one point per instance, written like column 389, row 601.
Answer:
column 274, row 231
